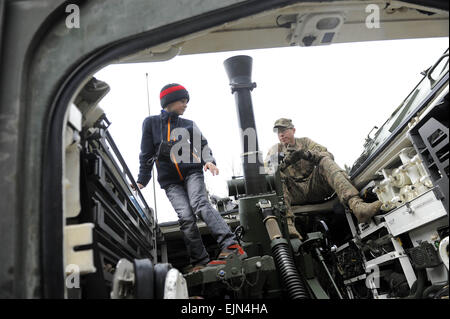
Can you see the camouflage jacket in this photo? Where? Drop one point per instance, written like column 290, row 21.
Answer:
column 300, row 171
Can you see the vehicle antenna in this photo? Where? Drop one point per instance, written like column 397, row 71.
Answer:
column 153, row 168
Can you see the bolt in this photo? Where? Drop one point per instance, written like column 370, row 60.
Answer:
column 258, row 264
column 234, row 270
column 221, row 273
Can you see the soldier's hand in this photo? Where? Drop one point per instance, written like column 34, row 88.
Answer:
column 297, row 155
column 294, row 157
column 301, row 154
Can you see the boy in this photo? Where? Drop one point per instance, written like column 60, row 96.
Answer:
column 163, row 137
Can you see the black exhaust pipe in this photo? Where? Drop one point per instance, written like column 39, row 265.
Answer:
column 239, row 70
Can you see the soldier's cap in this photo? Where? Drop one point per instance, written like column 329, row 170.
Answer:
column 282, row 123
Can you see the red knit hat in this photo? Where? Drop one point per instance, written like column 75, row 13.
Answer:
column 171, row 93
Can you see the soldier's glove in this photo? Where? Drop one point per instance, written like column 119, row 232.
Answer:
column 293, row 158
column 302, row 154
column 297, row 155
column 316, row 157
column 311, row 156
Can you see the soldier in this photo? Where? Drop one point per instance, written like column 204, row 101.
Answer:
column 310, row 174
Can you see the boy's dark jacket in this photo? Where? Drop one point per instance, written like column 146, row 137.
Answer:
column 167, row 171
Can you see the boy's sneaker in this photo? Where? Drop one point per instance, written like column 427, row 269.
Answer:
column 232, row 249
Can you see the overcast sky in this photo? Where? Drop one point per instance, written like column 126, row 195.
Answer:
column 334, row 94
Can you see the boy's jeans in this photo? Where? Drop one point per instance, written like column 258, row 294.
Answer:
column 191, row 198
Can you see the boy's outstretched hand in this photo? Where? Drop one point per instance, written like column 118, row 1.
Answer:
column 212, row 168
column 138, row 184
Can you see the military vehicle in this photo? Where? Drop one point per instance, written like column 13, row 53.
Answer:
column 72, row 226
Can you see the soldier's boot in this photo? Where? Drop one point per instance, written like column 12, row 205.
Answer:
column 347, row 193
column 363, row 211
column 293, row 232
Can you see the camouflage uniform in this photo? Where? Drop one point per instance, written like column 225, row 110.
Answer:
column 313, row 180
column 309, row 182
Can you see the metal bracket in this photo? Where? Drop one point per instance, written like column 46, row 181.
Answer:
column 233, row 268
column 77, row 236
column 264, row 204
column 240, row 86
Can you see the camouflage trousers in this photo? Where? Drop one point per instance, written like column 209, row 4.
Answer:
column 327, row 177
